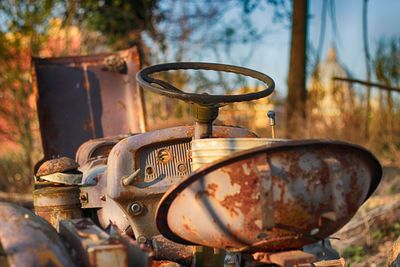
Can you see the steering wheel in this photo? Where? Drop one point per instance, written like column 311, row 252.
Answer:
column 166, row 89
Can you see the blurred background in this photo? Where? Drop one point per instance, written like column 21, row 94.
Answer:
column 336, row 65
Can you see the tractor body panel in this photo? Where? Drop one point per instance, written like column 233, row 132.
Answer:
column 87, row 97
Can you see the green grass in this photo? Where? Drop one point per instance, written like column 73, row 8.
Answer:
column 354, row 253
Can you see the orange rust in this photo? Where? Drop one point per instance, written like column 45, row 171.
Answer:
column 61, row 164
column 212, row 188
column 164, row 263
column 210, row 191
column 286, row 258
column 297, row 169
column 187, row 227
column 248, row 182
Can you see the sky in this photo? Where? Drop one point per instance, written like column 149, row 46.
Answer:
column 271, row 55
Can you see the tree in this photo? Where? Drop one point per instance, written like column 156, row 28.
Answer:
column 367, row 65
column 387, row 71
column 297, row 94
column 168, row 30
column 29, row 29
column 20, row 37
column 121, row 22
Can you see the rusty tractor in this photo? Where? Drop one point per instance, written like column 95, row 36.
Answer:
column 110, row 193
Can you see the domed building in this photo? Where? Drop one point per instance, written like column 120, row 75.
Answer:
column 330, row 99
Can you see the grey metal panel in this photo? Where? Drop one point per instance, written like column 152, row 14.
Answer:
column 79, row 99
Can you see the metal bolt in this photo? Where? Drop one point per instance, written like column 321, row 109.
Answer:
column 83, row 198
column 149, row 170
column 136, row 208
column 164, row 155
column 181, row 167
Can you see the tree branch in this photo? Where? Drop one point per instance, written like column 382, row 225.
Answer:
column 377, row 85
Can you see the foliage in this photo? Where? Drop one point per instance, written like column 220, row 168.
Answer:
column 173, row 30
column 29, row 28
column 21, row 36
column 354, row 253
column 122, row 22
column 386, row 64
column 387, row 61
column 378, row 234
column 15, row 177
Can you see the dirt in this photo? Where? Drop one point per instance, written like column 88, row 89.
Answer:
column 369, row 237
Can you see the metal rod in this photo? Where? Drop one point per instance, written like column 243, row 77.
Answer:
column 271, row 116
column 202, row 130
column 273, row 132
column 128, row 180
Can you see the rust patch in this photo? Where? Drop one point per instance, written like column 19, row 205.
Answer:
column 212, row 188
column 187, row 227
column 297, row 206
column 248, row 180
column 61, row 164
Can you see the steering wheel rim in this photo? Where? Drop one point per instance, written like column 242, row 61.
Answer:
column 166, row 89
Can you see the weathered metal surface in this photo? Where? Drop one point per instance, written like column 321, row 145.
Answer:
column 115, row 63
column 322, row 250
column 92, row 246
column 170, row 159
column 286, row 258
column 57, row 203
column 63, row 178
column 61, row 170
column 317, row 186
column 210, row 149
column 93, row 196
column 125, row 159
column 99, row 147
column 168, row 250
column 93, row 169
column 295, row 258
column 29, row 241
column 165, row 263
column 61, row 164
column 330, row 263
column 80, row 98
